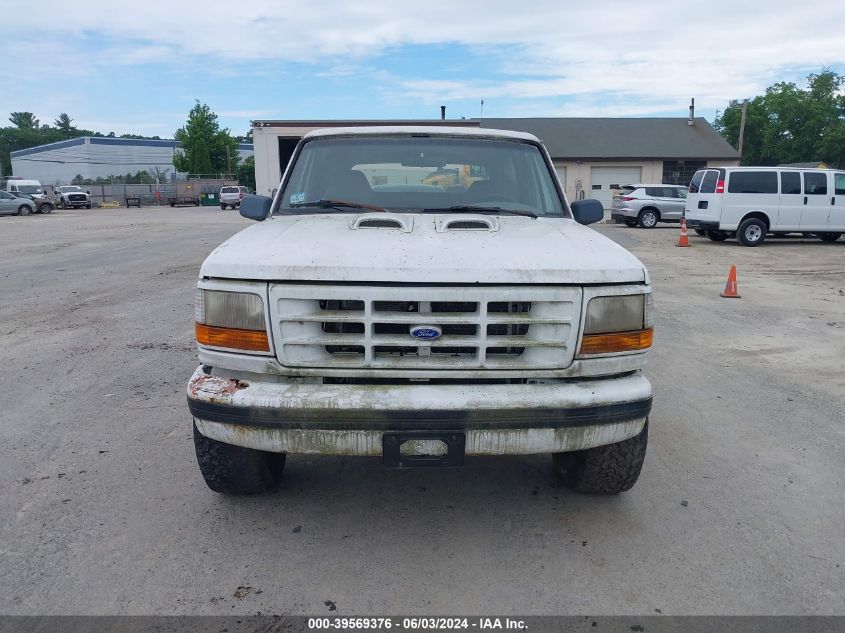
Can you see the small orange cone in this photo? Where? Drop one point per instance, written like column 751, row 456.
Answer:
column 684, row 240
column 731, row 289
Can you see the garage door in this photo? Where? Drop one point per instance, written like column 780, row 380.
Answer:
column 604, row 180
column 561, row 175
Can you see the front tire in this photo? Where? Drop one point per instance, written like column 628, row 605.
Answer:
column 88, row 206
column 235, row 470
column 829, row 237
column 24, row 210
column 751, row 232
column 648, row 218
column 604, row 470
column 46, row 208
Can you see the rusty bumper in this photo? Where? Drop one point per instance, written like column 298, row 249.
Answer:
column 542, row 417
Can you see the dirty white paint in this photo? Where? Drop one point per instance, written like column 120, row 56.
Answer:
column 515, row 250
column 369, row 443
column 549, row 342
column 551, row 263
column 551, row 394
column 325, row 248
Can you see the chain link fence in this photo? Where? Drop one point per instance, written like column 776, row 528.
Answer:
column 205, row 190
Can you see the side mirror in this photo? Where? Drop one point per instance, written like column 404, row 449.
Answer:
column 588, row 211
column 256, row 207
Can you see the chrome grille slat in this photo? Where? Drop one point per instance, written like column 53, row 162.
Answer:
column 368, row 327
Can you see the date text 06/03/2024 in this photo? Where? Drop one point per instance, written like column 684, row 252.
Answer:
column 416, row 623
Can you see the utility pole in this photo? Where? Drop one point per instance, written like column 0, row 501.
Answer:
column 481, row 111
column 228, row 161
column 742, row 128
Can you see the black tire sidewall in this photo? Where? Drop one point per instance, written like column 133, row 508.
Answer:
column 743, row 227
column 235, row 470
column 604, row 470
column 644, row 213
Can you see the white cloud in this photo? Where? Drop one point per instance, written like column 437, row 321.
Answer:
column 652, row 53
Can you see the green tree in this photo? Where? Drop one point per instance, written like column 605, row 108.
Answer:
column 246, row 173
column 24, row 120
column 64, row 124
column 206, row 148
column 789, row 124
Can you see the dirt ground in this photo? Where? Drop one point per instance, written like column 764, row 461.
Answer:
column 103, row 510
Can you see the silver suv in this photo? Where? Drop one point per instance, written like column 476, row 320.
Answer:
column 646, row 205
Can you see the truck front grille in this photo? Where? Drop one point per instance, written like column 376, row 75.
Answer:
column 368, row 327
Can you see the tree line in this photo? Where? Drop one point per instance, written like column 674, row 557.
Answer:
column 206, row 147
column 791, row 124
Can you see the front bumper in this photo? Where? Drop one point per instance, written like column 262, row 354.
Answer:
column 497, row 419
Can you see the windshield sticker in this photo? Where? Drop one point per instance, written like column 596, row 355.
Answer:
column 297, row 198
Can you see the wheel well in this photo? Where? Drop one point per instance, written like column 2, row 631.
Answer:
column 655, row 209
column 759, row 215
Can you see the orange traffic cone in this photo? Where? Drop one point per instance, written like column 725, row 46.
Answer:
column 684, row 240
column 731, row 289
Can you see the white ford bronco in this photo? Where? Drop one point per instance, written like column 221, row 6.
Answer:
column 370, row 313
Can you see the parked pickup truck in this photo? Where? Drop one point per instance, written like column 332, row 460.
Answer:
column 369, row 313
column 72, row 197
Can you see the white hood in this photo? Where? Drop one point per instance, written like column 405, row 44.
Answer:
column 326, row 248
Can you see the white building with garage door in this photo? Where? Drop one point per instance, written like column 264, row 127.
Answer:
column 592, row 156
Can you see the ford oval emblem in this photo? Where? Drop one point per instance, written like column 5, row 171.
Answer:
column 426, row 332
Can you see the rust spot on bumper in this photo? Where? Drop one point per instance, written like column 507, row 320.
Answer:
column 203, row 386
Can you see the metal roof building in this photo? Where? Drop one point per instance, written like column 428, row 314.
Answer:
column 592, row 156
column 98, row 157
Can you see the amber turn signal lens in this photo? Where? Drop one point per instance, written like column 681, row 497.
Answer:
column 250, row 340
column 616, row 342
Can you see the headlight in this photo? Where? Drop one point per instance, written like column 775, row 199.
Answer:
column 617, row 324
column 233, row 320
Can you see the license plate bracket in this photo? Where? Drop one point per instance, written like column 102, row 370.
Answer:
column 455, row 442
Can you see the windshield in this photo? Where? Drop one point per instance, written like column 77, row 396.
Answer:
column 419, row 174
column 67, row 189
column 29, row 188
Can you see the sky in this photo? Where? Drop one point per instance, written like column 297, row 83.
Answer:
column 137, row 67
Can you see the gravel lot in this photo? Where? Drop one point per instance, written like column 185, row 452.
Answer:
column 103, row 510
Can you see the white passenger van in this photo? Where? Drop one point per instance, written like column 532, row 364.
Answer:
column 750, row 202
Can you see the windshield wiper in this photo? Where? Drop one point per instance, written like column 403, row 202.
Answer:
column 337, row 204
column 469, row 208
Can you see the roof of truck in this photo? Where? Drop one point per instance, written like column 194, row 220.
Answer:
column 375, row 130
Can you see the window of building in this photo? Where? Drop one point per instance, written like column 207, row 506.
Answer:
column 680, row 172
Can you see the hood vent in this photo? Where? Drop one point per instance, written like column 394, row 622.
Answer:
column 468, row 223
column 395, row 221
